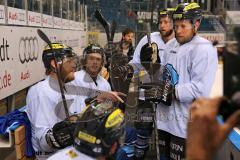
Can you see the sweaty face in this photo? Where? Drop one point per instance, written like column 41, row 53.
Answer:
column 68, row 68
column 165, row 26
column 128, row 37
column 94, row 63
column 184, row 31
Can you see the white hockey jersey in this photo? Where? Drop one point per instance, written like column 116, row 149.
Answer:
column 45, row 108
column 136, row 62
column 82, row 78
column 70, row 153
column 155, row 38
column 196, row 64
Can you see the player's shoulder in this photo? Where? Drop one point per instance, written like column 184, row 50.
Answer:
column 102, row 80
column 172, row 42
column 202, row 46
column 155, row 34
column 81, row 77
column 41, row 83
column 39, row 87
column 79, row 73
column 201, row 41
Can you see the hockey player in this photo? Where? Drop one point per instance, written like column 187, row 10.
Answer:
column 141, row 59
column 97, row 135
column 161, row 39
column 51, row 129
column 194, row 61
column 93, row 60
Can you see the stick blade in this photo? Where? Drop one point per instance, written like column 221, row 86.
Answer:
column 44, row 37
column 103, row 22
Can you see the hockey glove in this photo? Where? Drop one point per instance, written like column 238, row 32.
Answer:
column 61, row 135
column 164, row 91
column 149, row 54
column 149, row 57
column 125, row 72
column 146, row 53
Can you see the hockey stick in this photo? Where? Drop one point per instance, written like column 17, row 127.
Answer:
column 44, row 37
column 148, row 30
column 104, row 23
column 154, row 105
column 109, row 28
column 155, row 130
column 113, row 29
column 110, row 31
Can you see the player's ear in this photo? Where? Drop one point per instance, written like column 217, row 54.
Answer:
column 196, row 26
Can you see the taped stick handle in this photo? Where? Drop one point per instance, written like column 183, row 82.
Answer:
column 148, row 30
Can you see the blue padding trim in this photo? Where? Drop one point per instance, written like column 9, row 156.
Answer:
column 234, row 137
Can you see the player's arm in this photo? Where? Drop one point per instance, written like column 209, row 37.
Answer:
column 202, row 73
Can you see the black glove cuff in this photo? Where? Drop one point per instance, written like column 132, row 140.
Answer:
column 89, row 100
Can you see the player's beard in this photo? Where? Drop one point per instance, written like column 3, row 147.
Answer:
column 166, row 34
column 93, row 73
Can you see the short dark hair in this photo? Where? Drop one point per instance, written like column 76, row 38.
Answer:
column 127, row 31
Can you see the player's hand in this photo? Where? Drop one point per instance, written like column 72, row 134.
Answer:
column 146, row 53
column 62, row 134
column 113, row 96
column 124, row 72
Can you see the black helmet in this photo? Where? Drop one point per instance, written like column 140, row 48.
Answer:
column 60, row 50
column 166, row 12
column 93, row 48
column 191, row 11
column 98, row 128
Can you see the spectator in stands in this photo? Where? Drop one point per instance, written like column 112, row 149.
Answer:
column 125, row 46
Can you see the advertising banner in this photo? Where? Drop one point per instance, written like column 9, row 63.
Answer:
column 17, row 16
column 34, row 19
column 21, row 55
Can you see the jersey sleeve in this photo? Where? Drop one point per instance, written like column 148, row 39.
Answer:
column 135, row 62
column 42, row 118
column 202, row 73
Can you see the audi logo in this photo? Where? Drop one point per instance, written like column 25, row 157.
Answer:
column 28, row 49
